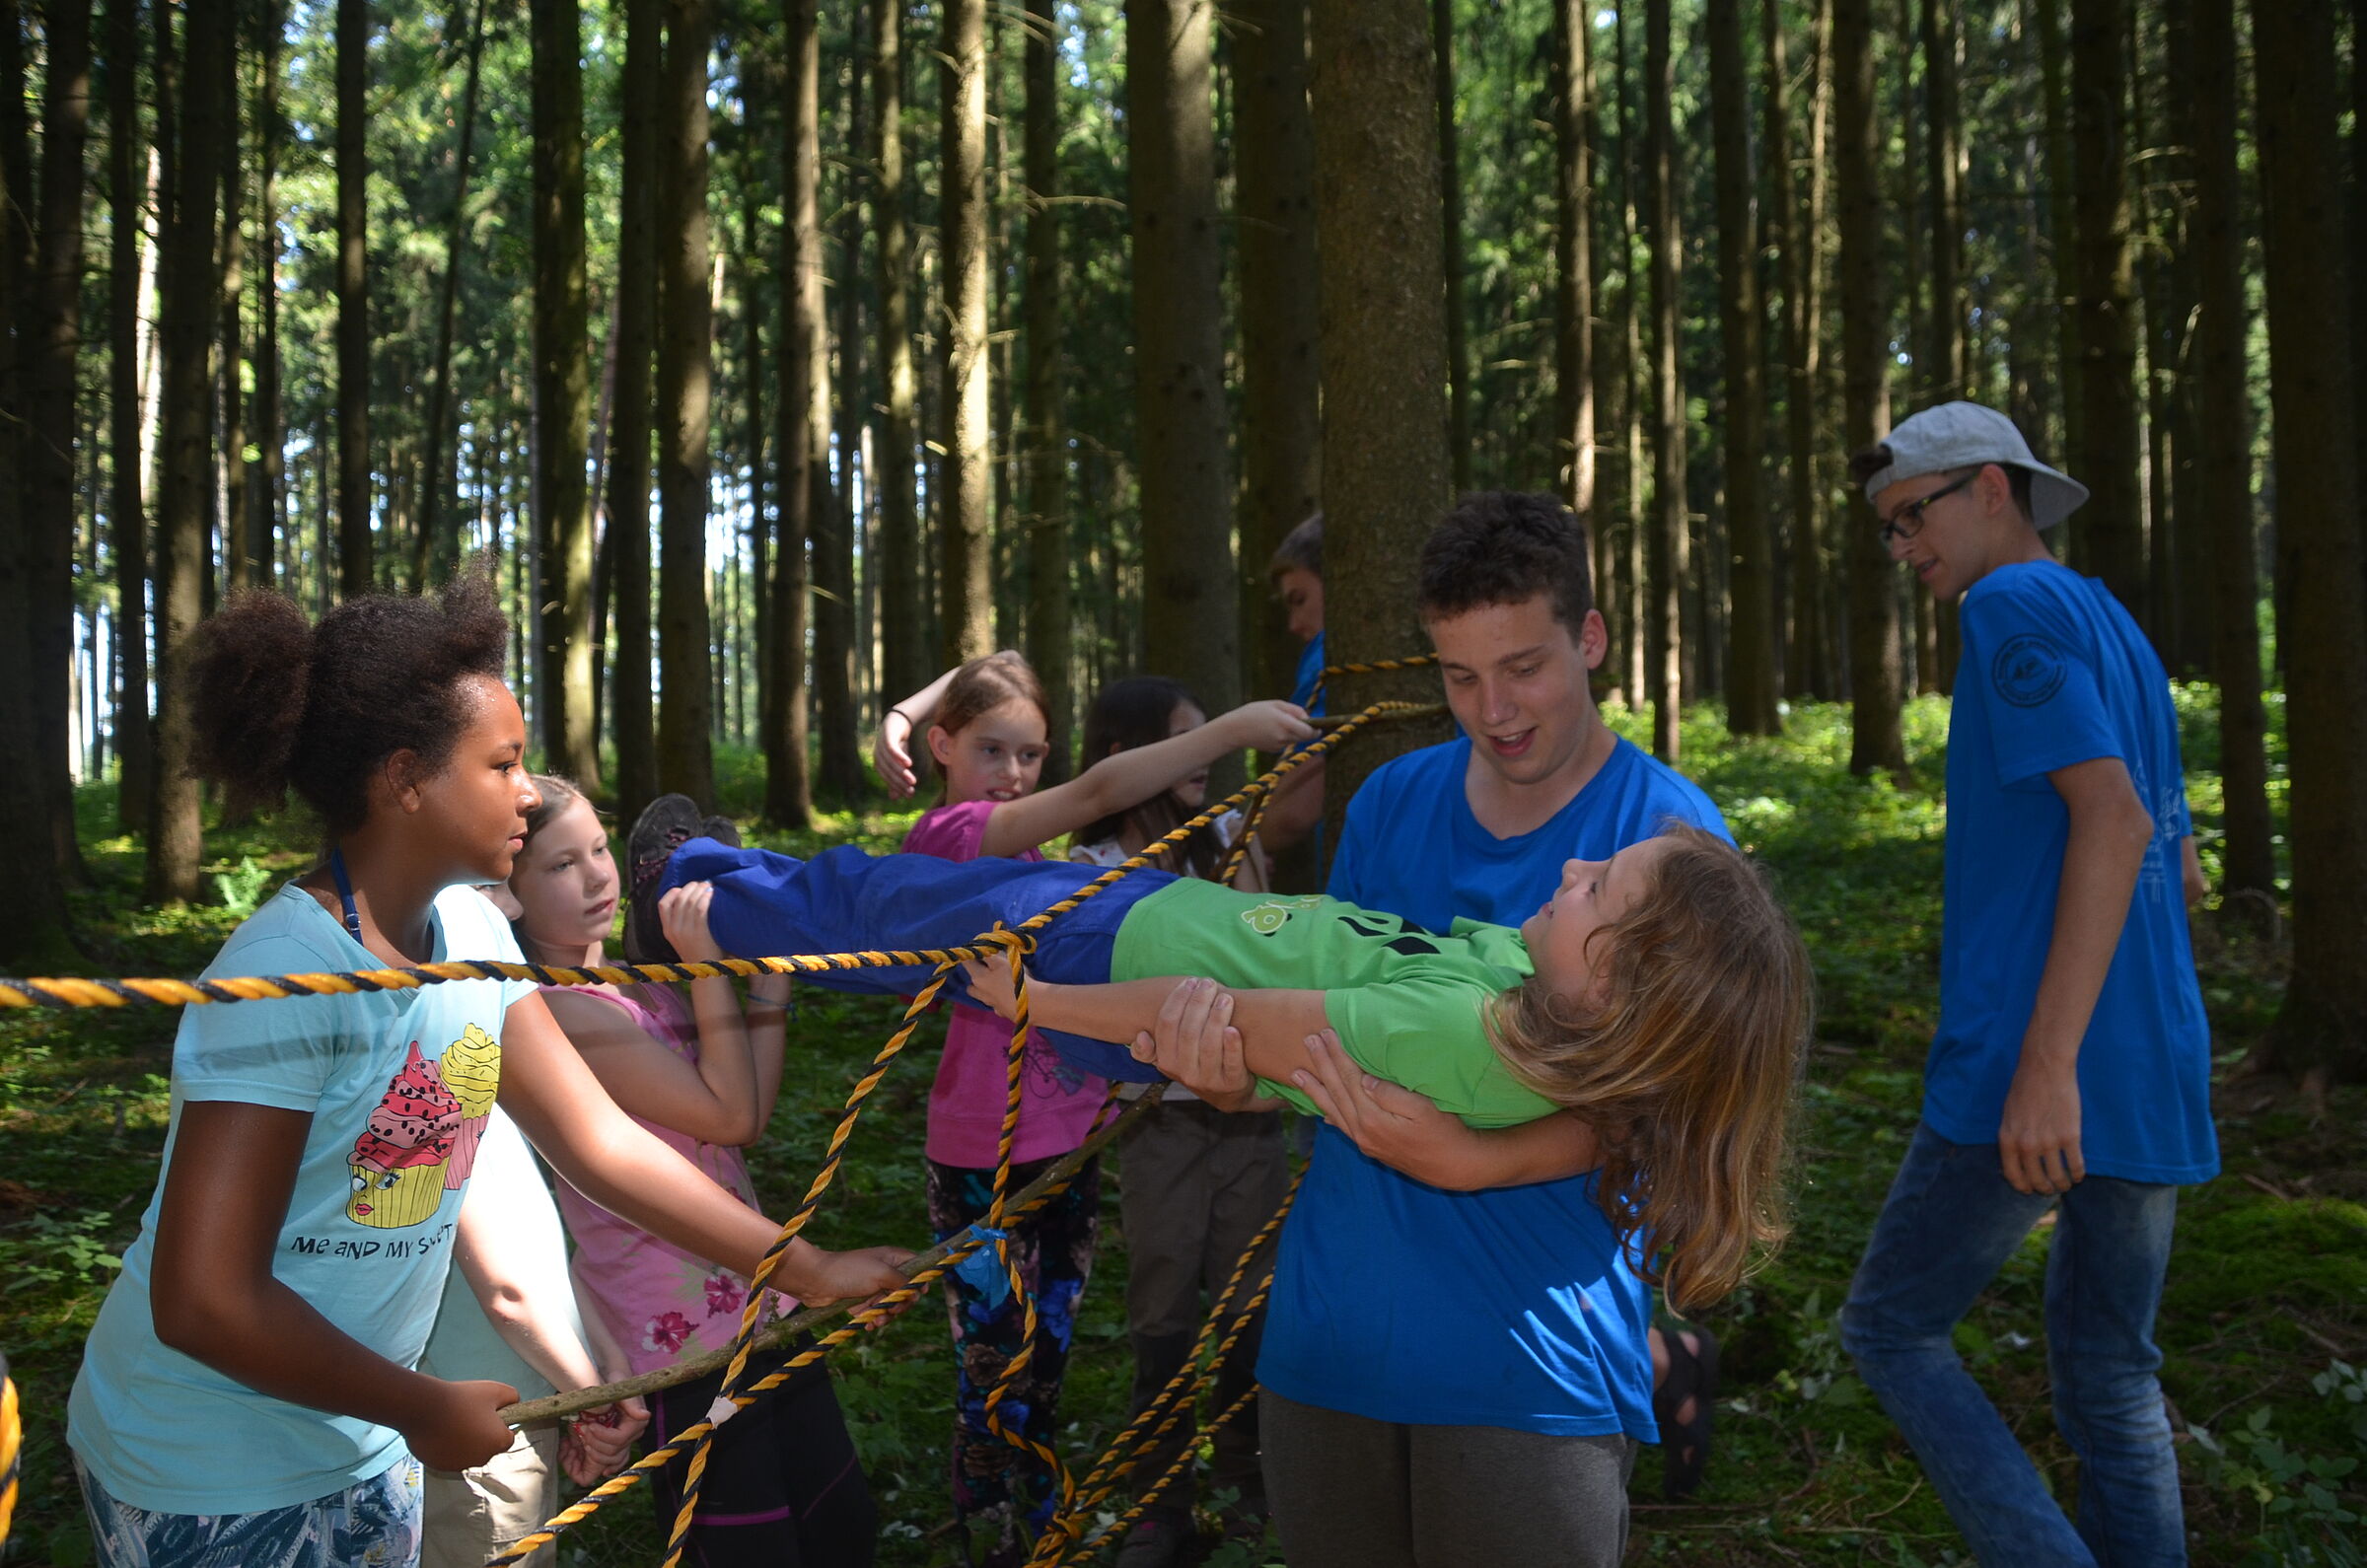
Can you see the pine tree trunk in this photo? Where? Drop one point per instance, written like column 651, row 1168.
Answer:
column 964, row 528
column 1450, row 208
column 2321, row 1028
column 1667, row 544
column 803, row 494
column 1750, row 630
column 904, row 651
column 1281, row 314
column 1386, row 475
column 127, row 519
column 2062, row 234
column 1045, row 505
column 1793, row 236
column 628, row 455
column 1190, row 627
column 2189, row 529
column 1944, row 153
column 2223, row 466
column 1573, row 99
column 685, row 405
column 436, row 549
column 563, row 371
column 1875, row 741
column 834, row 618
column 175, row 841
column 2113, row 518
column 354, row 569
column 270, row 434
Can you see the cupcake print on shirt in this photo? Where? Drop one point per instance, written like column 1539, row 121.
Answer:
column 472, row 1069
column 398, row 1162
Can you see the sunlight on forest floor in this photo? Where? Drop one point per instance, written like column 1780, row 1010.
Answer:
column 2265, row 1320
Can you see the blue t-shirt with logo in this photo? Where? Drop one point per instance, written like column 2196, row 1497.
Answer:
column 399, row 1086
column 2055, row 672
column 1514, row 1307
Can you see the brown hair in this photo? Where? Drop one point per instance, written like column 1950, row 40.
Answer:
column 1300, row 549
column 1683, row 1064
column 1132, row 712
column 557, row 795
column 1506, row 548
column 982, row 685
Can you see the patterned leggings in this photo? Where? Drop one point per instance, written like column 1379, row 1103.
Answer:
column 996, row 1485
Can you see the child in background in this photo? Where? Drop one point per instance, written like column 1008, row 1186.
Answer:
column 1297, row 573
column 509, row 1314
column 248, row 1394
column 1198, row 1181
column 782, row 1484
column 988, row 741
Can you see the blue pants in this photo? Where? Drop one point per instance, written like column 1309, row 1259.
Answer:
column 843, row 901
column 1948, row 1226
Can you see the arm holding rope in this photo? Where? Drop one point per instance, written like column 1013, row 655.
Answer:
column 621, row 1166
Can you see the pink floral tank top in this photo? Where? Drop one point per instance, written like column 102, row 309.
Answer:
column 662, row 1304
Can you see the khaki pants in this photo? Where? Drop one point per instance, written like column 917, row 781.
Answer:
column 471, row 1515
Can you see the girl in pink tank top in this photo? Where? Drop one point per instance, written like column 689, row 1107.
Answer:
column 703, row 1074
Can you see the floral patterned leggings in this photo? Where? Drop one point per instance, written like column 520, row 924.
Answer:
column 996, row 1486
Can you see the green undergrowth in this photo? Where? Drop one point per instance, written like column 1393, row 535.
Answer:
column 2262, row 1328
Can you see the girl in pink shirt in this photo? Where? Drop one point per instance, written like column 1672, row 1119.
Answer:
column 988, row 741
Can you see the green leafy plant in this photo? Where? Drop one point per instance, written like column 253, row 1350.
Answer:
column 241, row 888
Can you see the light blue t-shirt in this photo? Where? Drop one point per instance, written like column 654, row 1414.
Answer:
column 1514, row 1307
column 2055, row 671
column 398, row 1084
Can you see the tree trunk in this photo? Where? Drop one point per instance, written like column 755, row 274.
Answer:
column 2223, row 466
column 127, row 519
column 1795, row 237
column 270, row 434
column 1573, row 99
column 803, row 494
column 841, row 762
column 2321, row 1028
column 1750, row 630
column 1281, row 362
column 354, row 569
column 2113, row 518
column 50, row 341
column 904, row 643
column 685, row 333
column 628, row 449
column 2061, row 226
column 1948, row 376
column 1663, row 661
column 437, row 549
column 1450, row 209
column 563, row 373
column 1045, row 503
column 1386, row 475
column 241, row 566
column 2189, row 650
column 1181, row 419
column 1875, row 741
column 964, row 528
column 174, row 840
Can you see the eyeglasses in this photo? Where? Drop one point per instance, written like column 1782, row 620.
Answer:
column 1907, row 521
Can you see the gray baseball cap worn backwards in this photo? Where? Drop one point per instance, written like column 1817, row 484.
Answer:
column 1961, row 435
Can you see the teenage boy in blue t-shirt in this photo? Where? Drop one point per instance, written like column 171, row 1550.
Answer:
column 1455, row 1359
column 2072, row 1060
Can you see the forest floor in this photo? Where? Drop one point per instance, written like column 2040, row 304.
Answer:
column 2262, row 1328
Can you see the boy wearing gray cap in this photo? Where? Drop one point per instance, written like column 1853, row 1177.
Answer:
column 2071, row 1065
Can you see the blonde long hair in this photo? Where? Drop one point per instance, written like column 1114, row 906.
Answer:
column 1684, row 1060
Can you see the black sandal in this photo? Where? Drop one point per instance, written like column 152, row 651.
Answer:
column 1692, row 1374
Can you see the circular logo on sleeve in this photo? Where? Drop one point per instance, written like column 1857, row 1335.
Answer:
column 2027, row 671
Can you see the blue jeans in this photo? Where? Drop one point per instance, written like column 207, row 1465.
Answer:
column 1949, row 1224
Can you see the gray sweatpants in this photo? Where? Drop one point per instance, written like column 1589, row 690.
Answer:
column 1348, row 1492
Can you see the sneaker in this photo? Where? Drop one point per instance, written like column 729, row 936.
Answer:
column 1161, row 1538
column 664, row 826
column 722, row 829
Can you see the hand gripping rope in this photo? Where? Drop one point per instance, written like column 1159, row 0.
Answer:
column 1065, row 1536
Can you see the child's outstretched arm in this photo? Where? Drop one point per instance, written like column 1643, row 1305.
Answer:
column 1128, row 778
column 212, row 1294
column 620, row 1166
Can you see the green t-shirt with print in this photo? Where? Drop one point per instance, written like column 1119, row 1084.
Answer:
column 1407, row 1003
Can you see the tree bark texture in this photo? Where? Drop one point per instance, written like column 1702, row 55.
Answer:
column 628, row 456
column 241, row 566
column 1281, row 360
column 2223, row 468
column 684, row 406
column 270, row 434
column 1664, row 661
column 804, row 461
column 127, row 519
column 2323, row 1025
column 354, row 570
column 2062, row 233
column 1944, row 153
column 1045, row 503
column 1751, row 684
column 1181, row 419
column 563, row 369
column 436, row 549
column 1573, row 99
column 1450, row 210
column 964, row 527
column 843, row 767
column 2113, row 518
column 904, row 651
column 1875, row 740
column 1387, row 476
